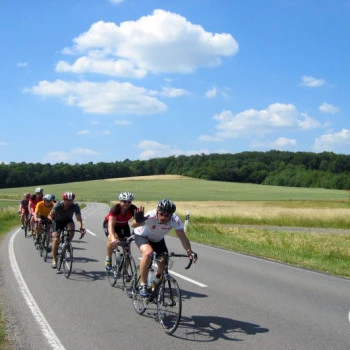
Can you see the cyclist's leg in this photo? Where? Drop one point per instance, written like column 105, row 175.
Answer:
column 70, row 226
column 55, row 242
column 146, row 251
column 160, row 247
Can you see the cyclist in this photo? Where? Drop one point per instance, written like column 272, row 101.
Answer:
column 34, row 199
column 23, row 207
column 42, row 210
column 61, row 216
column 116, row 224
column 150, row 231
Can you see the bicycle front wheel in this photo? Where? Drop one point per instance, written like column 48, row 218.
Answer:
column 129, row 269
column 138, row 302
column 169, row 305
column 67, row 260
column 41, row 244
column 46, row 246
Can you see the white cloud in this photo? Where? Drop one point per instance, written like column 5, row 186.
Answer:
column 101, row 98
column 338, row 142
column 211, row 93
column 158, row 43
column 122, row 122
column 173, row 92
column 281, row 143
column 4, row 144
column 311, row 81
column 328, row 108
column 152, row 149
column 83, row 132
column 275, row 118
column 22, row 64
column 116, row 2
column 76, row 155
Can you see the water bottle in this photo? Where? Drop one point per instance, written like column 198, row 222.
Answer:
column 150, row 277
column 155, row 282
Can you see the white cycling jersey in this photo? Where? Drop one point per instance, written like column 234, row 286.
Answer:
column 155, row 231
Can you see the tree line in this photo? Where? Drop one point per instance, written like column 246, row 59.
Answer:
column 279, row 168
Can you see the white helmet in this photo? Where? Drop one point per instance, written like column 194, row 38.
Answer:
column 126, row 196
column 39, row 190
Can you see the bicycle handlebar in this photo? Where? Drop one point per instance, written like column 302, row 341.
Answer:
column 175, row 255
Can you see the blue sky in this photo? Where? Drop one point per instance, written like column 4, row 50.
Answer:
column 108, row 80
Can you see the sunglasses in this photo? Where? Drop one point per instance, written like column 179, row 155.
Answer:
column 126, row 202
column 166, row 215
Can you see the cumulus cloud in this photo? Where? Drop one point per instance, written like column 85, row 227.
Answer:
column 152, row 149
column 76, row 155
column 311, row 81
column 163, row 42
column 328, row 108
column 281, row 143
column 101, row 98
column 338, row 142
column 211, row 93
column 277, row 117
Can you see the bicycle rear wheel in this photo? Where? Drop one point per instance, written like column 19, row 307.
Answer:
column 41, row 244
column 129, row 269
column 138, row 302
column 46, row 246
column 26, row 226
column 169, row 305
column 67, row 260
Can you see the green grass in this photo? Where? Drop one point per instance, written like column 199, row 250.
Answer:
column 186, row 189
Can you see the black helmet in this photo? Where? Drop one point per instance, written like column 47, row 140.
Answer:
column 166, row 206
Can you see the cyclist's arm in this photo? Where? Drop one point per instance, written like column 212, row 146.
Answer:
column 185, row 242
column 79, row 220
column 111, row 224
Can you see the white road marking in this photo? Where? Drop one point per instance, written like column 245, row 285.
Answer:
column 47, row 331
column 188, row 279
column 91, row 233
column 184, row 277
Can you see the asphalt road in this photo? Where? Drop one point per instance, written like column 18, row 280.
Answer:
column 229, row 301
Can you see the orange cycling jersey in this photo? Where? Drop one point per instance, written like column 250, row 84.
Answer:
column 42, row 210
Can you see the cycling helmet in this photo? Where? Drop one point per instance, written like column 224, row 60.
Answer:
column 68, row 195
column 27, row 195
column 166, row 206
column 48, row 197
column 39, row 190
column 126, row 196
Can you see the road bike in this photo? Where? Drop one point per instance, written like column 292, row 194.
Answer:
column 65, row 251
column 123, row 266
column 44, row 238
column 166, row 294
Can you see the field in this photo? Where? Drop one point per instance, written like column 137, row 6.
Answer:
column 220, row 211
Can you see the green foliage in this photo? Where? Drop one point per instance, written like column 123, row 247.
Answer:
column 277, row 168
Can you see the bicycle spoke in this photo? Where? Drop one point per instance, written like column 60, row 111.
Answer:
column 138, row 302
column 67, row 260
column 169, row 305
column 129, row 269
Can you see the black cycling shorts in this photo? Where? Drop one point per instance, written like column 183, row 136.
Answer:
column 158, row 247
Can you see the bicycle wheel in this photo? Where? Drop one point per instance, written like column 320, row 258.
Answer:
column 26, row 225
column 138, row 302
column 41, row 244
column 129, row 268
column 112, row 275
column 67, row 259
column 169, row 305
column 46, row 247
